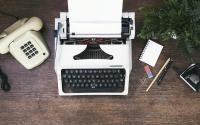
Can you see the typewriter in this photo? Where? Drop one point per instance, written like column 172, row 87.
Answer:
column 93, row 48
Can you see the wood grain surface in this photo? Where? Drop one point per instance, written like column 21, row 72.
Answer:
column 34, row 99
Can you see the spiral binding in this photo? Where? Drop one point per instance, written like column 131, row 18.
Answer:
column 144, row 50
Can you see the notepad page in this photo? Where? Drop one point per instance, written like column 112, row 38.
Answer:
column 95, row 16
column 151, row 53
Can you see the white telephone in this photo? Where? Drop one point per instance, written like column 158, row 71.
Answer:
column 24, row 41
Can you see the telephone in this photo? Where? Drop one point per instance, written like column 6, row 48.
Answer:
column 24, row 41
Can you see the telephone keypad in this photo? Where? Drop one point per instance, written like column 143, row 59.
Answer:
column 29, row 50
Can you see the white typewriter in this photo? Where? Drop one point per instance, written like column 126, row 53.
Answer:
column 93, row 48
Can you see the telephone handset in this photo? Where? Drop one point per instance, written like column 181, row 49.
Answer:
column 24, row 41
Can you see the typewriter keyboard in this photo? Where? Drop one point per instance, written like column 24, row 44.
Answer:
column 93, row 80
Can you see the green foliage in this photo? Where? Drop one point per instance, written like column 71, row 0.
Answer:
column 180, row 18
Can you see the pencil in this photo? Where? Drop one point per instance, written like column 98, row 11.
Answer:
column 158, row 74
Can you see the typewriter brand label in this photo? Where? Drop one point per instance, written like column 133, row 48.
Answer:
column 116, row 66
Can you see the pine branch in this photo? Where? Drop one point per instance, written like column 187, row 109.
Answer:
column 176, row 17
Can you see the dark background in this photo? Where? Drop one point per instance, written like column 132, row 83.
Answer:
column 34, row 99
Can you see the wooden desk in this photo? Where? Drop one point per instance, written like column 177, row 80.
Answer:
column 34, row 99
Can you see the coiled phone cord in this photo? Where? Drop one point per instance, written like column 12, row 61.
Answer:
column 4, row 82
column 3, row 77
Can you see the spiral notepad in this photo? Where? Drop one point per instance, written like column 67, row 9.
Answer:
column 151, row 53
